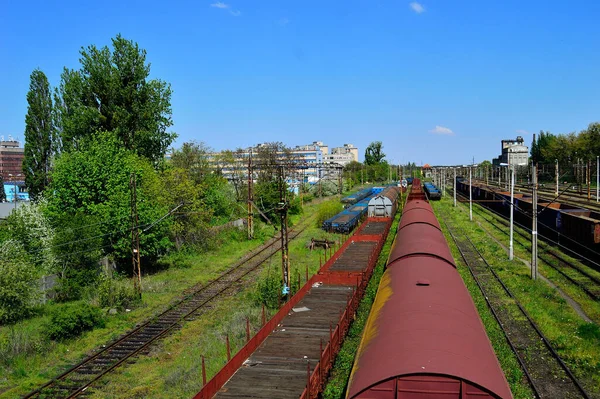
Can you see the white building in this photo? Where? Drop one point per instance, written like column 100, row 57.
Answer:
column 343, row 155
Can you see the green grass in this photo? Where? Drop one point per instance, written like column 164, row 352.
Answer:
column 174, row 367
column 28, row 359
column 558, row 321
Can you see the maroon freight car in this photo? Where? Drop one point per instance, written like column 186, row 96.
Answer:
column 424, row 337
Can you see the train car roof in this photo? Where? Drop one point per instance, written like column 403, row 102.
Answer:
column 424, row 323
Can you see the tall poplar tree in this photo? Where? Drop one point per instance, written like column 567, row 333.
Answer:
column 39, row 130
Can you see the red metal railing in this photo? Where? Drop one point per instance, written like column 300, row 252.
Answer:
column 317, row 378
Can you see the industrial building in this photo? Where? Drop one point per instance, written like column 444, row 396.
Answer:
column 514, row 152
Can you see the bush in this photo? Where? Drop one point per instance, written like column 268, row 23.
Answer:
column 19, row 290
column 116, row 292
column 328, row 209
column 72, row 319
column 178, row 260
column 267, row 292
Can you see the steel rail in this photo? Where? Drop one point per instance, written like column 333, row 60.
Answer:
column 551, row 252
column 529, row 319
column 491, row 308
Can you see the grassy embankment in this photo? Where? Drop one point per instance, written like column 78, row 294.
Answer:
column 29, row 359
column 576, row 341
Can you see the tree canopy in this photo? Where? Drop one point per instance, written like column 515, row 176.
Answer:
column 374, row 153
column 567, row 148
column 112, row 92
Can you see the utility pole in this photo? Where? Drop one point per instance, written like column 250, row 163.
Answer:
column 250, row 198
column 470, row 197
column 135, row 238
column 319, row 172
column 597, row 178
column 454, row 187
column 556, row 172
column 283, row 208
column 589, row 182
column 512, row 205
column 534, row 221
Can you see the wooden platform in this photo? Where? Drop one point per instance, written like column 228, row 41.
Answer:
column 374, row 228
column 278, row 368
column 355, row 257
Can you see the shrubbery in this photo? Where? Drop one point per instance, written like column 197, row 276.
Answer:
column 18, row 285
column 72, row 319
column 116, row 292
column 328, row 209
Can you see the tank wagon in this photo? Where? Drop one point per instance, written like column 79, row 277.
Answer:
column 385, row 203
column 424, row 337
column 433, row 193
column 571, row 226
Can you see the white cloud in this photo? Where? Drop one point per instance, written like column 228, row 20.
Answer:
column 219, row 4
column 224, row 6
column 523, row 132
column 442, row 130
column 417, row 7
column 283, row 21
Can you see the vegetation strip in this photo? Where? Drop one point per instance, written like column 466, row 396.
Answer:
column 543, row 364
column 138, row 339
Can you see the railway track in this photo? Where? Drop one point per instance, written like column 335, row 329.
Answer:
column 76, row 381
column 576, row 274
column 547, row 373
column 549, row 194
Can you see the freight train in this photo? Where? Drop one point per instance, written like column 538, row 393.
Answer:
column 570, row 226
column 424, row 337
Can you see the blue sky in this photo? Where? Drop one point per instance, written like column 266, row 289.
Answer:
column 436, row 81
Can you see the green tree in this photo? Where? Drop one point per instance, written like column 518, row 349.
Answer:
column 214, row 191
column 2, row 192
column 29, row 226
column 95, row 181
column 39, row 131
column 373, row 153
column 76, row 247
column 112, row 92
column 18, row 288
column 191, row 226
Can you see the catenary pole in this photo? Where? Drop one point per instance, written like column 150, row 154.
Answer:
column 556, row 172
column 454, row 187
column 512, row 205
column 470, row 197
column 534, row 223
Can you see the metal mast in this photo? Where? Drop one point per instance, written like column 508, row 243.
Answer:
column 135, row 238
column 250, row 199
